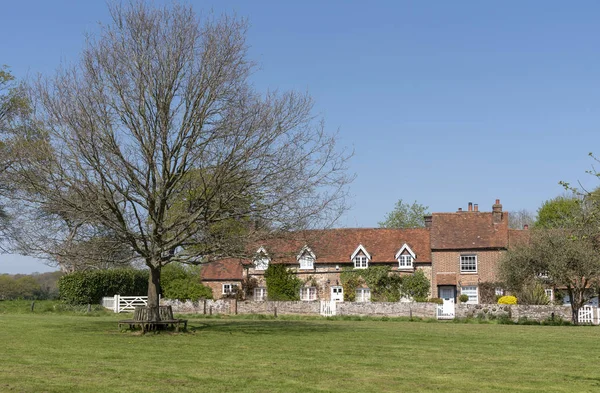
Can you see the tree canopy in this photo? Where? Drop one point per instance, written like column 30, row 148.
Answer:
column 405, row 215
column 559, row 212
column 160, row 103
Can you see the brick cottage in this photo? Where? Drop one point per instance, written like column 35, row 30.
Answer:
column 456, row 251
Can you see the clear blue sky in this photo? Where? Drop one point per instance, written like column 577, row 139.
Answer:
column 443, row 102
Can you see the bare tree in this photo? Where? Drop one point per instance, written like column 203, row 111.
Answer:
column 519, row 218
column 157, row 137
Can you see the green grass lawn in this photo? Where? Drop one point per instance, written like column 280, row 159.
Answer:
column 69, row 352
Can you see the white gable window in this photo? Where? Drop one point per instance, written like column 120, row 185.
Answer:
column 471, row 292
column 363, row 295
column 261, row 261
column 306, row 258
column 405, row 257
column 260, row 294
column 308, row 293
column 361, row 262
column 360, row 257
column 405, row 262
column 468, row 263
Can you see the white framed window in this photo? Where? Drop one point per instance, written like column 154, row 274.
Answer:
column 363, row 295
column 405, row 261
column 260, row 294
column 549, row 294
column 307, row 262
column 360, row 257
column 228, row 289
column 499, row 292
column 471, row 292
column 468, row 263
column 361, row 262
column 308, row 293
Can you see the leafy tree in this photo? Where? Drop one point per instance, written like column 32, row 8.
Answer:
column 159, row 103
column 405, row 216
column 183, row 282
column 23, row 287
column 282, row 283
column 559, row 212
column 564, row 258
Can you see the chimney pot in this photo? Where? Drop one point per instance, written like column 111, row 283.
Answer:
column 476, row 207
column 497, row 201
column 526, row 227
column 470, row 206
column 460, row 209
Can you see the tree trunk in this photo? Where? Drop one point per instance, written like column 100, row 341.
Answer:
column 153, row 293
column 575, row 305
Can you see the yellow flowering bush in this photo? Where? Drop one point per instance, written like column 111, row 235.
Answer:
column 507, row 300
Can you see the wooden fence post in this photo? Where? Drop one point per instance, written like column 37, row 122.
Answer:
column 32, row 305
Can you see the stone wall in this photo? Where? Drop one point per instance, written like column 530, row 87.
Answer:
column 221, row 306
column 420, row 310
column 379, row 309
column 536, row 313
column 248, row 307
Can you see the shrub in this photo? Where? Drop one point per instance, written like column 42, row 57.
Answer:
column 436, row 300
column 282, row 284
column 416, row 286
column 88, row 287
column 463, row 298
column 182, row 282
column 507, row 300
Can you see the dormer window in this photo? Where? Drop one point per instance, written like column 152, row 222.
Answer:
column 306, row 258
column 405, row 262
column 360, row 257
column 405, row 257
column 361, row 262
column 261, row 261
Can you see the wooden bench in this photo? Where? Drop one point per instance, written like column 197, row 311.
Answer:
column 143, row 318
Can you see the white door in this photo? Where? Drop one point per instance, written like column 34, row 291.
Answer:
column 337, row 293
column 447, row 294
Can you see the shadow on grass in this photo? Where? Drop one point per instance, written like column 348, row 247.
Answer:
column 264, row 327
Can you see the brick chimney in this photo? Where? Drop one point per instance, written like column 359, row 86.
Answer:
column 497, row 212
column 470, row 206
column 428, row 220
column 475, row 207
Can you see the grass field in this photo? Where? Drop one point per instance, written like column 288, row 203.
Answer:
column 48, row 351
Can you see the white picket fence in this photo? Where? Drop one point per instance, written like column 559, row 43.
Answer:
column 328, row 308
column 445, row 311
column 586, row 315
column 120, row 303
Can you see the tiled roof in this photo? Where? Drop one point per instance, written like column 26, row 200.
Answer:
column 468, row 230
column 518, row 237
column 337, row 245
column 446, row 278
column 223, row 269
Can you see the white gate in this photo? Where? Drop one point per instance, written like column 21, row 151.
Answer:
column 328, row 308
column 445, row 311
column 124, row 303
column 586, row 314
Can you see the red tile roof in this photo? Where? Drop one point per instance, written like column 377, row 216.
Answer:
column 223, row 269
column 337, row 245
column 445, row 278
column 518, row 237
column 468, row 230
